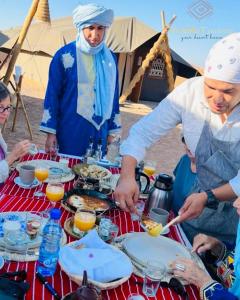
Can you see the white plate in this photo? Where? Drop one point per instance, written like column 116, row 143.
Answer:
column 166, row 231
column 141, row 246
column 107, row 163
column 18, row 181
column 16, row 253
column 55, row 168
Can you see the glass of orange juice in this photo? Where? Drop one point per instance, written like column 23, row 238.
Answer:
column 84, row 220
column 54, row 192
column 149, row 167
column 41, row 173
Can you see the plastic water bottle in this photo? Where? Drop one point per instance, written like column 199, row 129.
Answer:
column 49, row 249
column 113, row 149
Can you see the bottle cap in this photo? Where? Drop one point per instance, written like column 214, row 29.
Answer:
column 55, row 213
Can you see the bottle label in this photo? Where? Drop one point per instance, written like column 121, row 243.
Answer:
column 50, row 262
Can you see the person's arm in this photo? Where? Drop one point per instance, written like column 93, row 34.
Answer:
column 141, row 136
column 51, row 103
column 195, row 203
column 127, row 190
column 193, row 274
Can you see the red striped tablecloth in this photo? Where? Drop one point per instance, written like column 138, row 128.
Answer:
column 13, row 198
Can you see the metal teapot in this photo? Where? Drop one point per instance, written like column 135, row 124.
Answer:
column 160, row 194
column 85, row 291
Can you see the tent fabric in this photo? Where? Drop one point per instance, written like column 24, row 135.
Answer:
column 125, row 35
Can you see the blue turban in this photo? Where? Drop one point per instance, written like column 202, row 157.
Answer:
column 87, row 14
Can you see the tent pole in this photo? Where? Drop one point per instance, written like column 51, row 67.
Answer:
column 22, row 35
column 167, row 57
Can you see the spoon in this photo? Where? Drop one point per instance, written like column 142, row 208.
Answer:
column 172, row 222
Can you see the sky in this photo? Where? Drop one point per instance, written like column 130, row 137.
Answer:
column 199, row 23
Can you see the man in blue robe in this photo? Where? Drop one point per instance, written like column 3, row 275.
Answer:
column 82, row 95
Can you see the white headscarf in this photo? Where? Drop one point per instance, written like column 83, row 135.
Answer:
column 223, row 60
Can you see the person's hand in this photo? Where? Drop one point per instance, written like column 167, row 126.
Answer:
column 203, row 242
column 51, row 142
column 190, row 271
column 19, row 150
column 127, row 193
column 193, row 206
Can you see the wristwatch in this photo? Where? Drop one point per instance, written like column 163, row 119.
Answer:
column 212, row 201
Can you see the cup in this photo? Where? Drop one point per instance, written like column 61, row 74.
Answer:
column 149, row 167
column 104, row 228
column 153, row 273
column 33, row 149
column 140, row 208
column 159, row 215
column 27, row 174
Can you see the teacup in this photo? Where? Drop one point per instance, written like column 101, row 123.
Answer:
column 27, row 174
column 159, row 215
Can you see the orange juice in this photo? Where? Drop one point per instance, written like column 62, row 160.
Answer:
column 84, row 221
column 54, row 193
column 149, row 171
column 41, row 173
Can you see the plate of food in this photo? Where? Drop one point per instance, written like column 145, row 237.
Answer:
column 92, row 171
column 86, row 199
column 148, row 224
column 56, row 169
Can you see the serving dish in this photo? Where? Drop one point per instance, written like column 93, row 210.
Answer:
column 91, row 171
column 87, row 199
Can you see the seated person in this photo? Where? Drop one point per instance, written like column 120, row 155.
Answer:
column 228, row 269
column 185, row 175
column 20, row 149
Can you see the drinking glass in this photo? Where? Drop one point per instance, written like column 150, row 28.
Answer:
column 149, row 167
column 153, row 273
column 54, row 152
column 113, row 232
column 33, row 223
column 41, row 173
column 54, row 192
column 84, row 220
column 140, row 208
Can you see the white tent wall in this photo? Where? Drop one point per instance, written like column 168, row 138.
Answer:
column 35, row 73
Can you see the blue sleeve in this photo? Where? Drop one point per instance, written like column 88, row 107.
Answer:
column 114, row 123
column 217, row 292
column 53, row 94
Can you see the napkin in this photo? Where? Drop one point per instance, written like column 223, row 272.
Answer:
column 102, row 262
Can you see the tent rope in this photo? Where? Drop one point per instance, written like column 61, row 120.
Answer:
column 154, row 51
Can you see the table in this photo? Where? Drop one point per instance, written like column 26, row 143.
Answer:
column 14, row 198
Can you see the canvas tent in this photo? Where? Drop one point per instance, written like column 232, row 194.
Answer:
column 125, row 36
